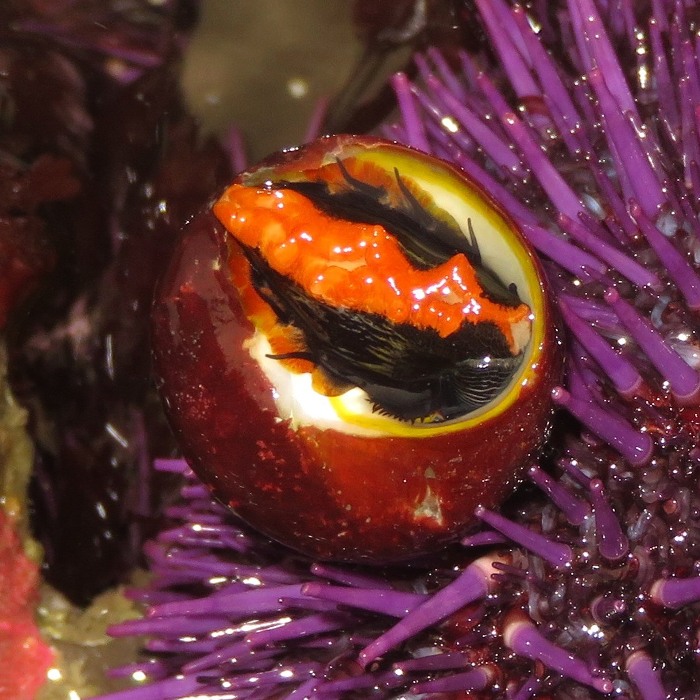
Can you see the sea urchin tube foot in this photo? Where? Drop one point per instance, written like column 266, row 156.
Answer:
column 356, row 348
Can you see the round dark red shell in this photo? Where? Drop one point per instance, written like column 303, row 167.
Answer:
column 329, row 494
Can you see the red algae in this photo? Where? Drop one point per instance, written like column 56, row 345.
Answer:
column 25, row 657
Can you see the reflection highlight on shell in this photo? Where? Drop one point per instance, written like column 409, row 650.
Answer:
column 583, row 127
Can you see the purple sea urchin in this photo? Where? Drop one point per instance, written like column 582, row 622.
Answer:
column 582, row 121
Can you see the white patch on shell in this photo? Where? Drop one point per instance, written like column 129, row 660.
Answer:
column 296, row 399
column 429, row 508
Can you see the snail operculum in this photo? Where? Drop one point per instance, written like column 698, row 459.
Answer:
column 373, row 285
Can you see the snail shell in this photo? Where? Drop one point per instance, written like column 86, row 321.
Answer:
column 355, row 349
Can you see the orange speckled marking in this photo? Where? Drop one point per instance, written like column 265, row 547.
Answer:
column 358, row 266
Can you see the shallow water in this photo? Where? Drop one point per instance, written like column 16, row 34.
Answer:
column 263, row 66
